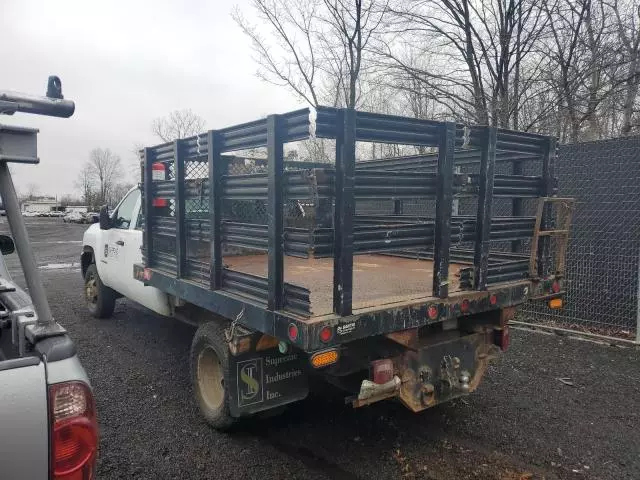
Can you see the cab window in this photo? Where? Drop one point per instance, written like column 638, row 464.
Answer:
column 123, row 215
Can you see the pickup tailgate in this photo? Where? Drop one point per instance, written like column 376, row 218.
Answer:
column 24, row 432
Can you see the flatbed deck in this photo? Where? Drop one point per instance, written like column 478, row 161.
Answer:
column 377, row 279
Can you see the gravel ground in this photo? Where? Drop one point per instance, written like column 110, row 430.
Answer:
column 522, row 423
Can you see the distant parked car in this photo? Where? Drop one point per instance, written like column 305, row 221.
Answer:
column 73, row 217
column 57, row 213
column 29, row 214
column 91, row 217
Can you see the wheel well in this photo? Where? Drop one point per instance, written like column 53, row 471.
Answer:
column 86, row 259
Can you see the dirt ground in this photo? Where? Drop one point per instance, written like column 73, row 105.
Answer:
column 551, row 408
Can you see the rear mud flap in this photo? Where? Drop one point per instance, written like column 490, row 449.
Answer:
column 265, row 380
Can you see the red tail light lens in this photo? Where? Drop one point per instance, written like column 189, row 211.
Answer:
column 433, row 311
column 74, row 431
column 555, row 287
column 493, row 299
column 326, row 334
column 293, row 332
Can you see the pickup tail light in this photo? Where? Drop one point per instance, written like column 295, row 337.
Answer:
column 74, row 431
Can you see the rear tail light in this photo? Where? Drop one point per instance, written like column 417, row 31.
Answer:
column 502, row 337
column 293, row 332
column 555, row 286
column 326, row 334
column 74, row 431
column 382, row 371
column 433, row 311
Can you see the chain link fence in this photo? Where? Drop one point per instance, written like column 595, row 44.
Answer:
column 602, row 266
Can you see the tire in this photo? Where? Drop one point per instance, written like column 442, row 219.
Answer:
column 101, row 300
column 209, row 362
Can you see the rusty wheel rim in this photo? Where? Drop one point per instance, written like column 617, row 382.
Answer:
column 91, row 290
column 210, row 378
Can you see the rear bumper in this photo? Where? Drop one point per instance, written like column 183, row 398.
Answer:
column 434, row 373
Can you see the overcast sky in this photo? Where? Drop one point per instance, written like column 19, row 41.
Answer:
column 124, row 63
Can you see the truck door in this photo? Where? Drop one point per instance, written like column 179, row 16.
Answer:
column 115, row 242
column 126, row 241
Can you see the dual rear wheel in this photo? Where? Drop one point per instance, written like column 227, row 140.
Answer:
column 209, row 357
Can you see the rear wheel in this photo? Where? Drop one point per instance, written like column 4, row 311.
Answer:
column 209, row 361
column 101, row 300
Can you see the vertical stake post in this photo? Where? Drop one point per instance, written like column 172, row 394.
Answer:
column 148, row 205
column 344, row 211
column 216, row 170
column 548, row 170
column 181, row 238
column 516, row 205
column 275, row 212
column 444, row 208
column 485, row 200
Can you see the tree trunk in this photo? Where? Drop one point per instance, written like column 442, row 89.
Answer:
column 631, row 94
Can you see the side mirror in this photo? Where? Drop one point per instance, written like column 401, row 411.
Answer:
column 105, row 221
column 6, row 245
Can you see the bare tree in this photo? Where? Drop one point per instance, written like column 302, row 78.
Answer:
column 105, row 167
column 86, row 185
column 627, row 21
column 178, row 124
column 578, row 54
column 476, row 52
column 117, row 192
column 318, row 46
column 68, row 199
column 33, row 191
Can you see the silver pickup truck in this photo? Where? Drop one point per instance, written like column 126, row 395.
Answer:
column 48, row 427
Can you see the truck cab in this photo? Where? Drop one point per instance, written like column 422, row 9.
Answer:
column 110, row 249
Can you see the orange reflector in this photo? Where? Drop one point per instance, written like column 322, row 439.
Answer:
column 322, row 359
column 555, row 303
column 266, row 342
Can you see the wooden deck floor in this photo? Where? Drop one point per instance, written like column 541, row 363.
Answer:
column 377, row 279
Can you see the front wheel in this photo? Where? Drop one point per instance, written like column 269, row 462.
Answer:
column 101, row 300
column 209, row 361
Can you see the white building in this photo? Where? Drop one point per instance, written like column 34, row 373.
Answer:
column 39, row 206
column 77, row 208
